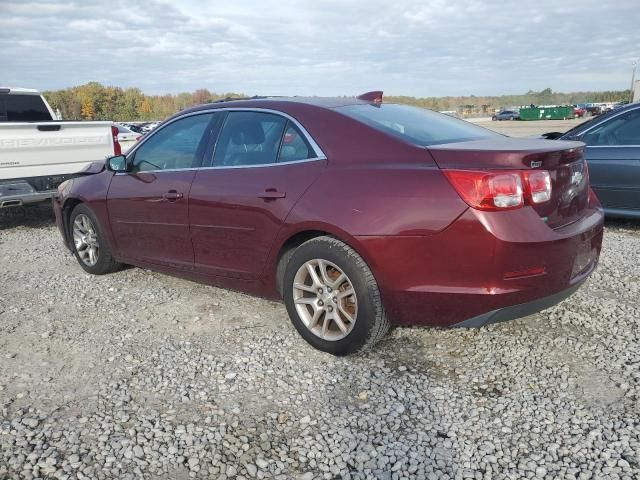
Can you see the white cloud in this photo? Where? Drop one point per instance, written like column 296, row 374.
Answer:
column 321, row 47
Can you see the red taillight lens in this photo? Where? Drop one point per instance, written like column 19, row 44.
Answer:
column 117, row 149
column 501, row 190
column 488, row 190
column 538, row 184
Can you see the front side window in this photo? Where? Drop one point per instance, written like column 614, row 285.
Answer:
column 621, row 130
column 249, row 138
column 179, row 145
column 416, row 125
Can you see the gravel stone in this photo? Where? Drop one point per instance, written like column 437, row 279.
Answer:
column 143, row 375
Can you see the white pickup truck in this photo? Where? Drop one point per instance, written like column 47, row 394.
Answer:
column 37, row 152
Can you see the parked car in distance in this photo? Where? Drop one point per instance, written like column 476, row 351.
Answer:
column 38, row 152
column 149, row 126
column 579, row 112
column 613, row 155
column 126, row 137
column 425, row 220
column 594, row 109
column 506, row 115
column 133, row 127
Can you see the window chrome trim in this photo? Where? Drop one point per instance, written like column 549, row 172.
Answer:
column 227, row 167
column 319, row 154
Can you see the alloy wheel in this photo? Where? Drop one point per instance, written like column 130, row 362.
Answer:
column 325, row 299
column 86, row 240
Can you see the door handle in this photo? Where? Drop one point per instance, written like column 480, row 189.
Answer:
column 272, row 194
column 172, row 196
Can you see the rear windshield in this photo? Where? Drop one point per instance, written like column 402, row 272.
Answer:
column 23, row 108
column 416, row 125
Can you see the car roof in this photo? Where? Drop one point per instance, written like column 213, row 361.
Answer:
column 277, row 103
column 24, row 91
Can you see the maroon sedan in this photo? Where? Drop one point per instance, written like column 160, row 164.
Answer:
column 358, row 213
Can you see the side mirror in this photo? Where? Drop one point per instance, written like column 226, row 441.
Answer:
column 117, row 164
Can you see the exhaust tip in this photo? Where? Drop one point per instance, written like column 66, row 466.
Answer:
column 10, row 203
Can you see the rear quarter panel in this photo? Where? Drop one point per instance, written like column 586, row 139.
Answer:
column 373, row 186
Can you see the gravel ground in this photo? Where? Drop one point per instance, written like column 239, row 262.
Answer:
column 141, row 375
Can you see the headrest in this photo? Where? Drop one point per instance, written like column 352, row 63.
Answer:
column 247, row 132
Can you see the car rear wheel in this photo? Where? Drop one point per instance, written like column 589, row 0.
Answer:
column 332, row 297
column 90, row 246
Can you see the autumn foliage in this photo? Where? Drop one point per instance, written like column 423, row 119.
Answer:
column 94, row 101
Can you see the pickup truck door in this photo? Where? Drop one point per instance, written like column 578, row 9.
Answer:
column 148, row 206
column 613, row 156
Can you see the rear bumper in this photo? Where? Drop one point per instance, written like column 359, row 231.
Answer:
column 19, row 193
column 518, row 311
column 622, row 213
column 485, row 267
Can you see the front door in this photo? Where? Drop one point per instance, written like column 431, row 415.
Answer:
column 613, row 155
column 262, row 165
column 148, row 206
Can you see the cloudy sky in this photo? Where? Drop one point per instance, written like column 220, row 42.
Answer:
column 321, row 47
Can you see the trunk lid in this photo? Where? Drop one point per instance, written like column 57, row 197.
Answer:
column 562, row 159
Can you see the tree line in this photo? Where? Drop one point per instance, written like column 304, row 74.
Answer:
column 94, row 101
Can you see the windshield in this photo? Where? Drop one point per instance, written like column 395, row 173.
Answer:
column 416, row 125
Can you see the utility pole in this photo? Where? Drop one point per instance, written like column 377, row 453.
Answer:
column 633, row 79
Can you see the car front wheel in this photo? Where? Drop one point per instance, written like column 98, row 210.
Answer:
column 90, row 246
column 332, row 297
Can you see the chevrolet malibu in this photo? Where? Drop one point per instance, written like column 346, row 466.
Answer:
column 359, row 214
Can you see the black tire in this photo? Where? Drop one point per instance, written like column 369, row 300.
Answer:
column 105, row 262
column 371, row 323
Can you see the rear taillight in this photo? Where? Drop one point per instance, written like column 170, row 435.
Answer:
column 500, row 190
column 538, row 184
column 117, row 149
column 488, row 190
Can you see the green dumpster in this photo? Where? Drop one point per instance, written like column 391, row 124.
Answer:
column 546, row 113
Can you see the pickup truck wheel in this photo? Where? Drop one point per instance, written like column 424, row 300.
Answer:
column 91, row 248
column 332, row 297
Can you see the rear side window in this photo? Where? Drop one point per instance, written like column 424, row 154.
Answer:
column 621, row 130
column 416, row 125
column 249, row 138
column 294, row 145
column 23, row 108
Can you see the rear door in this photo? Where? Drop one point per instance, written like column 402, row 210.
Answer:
column 613, row 155
column 262, row 164
column 148, row 206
